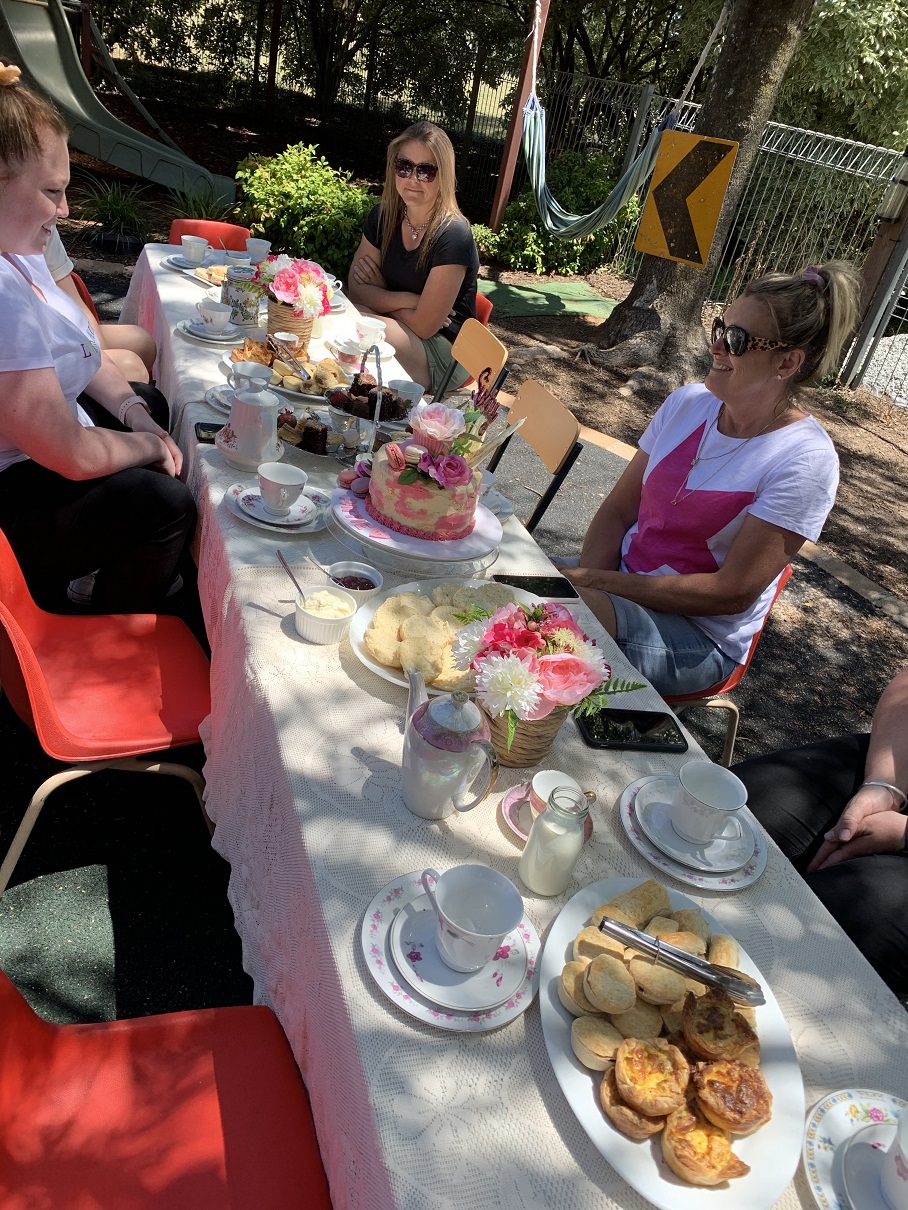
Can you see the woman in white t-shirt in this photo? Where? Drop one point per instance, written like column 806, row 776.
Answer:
column 681, row 561
column 74, row 498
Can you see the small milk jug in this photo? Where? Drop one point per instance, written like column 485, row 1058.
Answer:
column 250, row 435
column 445, row 746
column 555, row 841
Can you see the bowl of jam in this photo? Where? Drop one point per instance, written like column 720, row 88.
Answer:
column 359, row 579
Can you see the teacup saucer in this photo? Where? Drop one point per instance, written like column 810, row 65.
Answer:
column 831, row 1124
column 412, row 941
column 727, row 852
column 180, row 262
column 862, row 1165
column 219, row 398
column 300, row 512
column 518, row 814
column 197, row 328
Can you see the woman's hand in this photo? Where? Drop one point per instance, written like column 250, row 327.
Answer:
column 876, row 832
column 139, row 421
column 366, row 271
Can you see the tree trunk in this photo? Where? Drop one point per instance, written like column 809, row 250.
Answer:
column 659, row 322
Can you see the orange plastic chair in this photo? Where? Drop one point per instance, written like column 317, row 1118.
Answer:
column 484, row 309
column 83, row 293
column 711, row 698
column 202, row 1110
column 98, row 691
column 233, row 236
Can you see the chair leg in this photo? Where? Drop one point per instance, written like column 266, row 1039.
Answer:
column 731, row 723
column 125, row 765
column 552, row 490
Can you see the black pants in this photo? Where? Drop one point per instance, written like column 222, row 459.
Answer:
column 797, row 796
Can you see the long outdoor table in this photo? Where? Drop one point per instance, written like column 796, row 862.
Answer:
column 303, row 776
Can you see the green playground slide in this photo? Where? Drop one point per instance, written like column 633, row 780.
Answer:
column 36, row 35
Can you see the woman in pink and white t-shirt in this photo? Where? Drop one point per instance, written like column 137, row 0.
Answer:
column 681, row 561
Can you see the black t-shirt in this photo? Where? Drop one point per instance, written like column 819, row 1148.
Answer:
column 453, row 245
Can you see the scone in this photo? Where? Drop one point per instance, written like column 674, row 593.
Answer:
column 651, row 1077
column 571, row 993
column 595, row 1042
column 608, row 986
column 697, row 1151
column 642, row 1021
column 656, row 984
column 642, row 903
column 724, row 951
column 732, row 1096
column 629, row 1121
column 591, row 943
column 712, row 1027
column 692, row 920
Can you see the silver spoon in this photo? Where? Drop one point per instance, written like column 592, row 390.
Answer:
column 307, row 555
column 286, row 567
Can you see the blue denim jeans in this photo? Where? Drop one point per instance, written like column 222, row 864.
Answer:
column 672, row 652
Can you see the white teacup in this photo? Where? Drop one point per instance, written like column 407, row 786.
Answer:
column 280, row 485
column 249, row 376
column 215, row 315
column 236, row 258
column 894, row 1173
column 258, row 249
column 290, row 339
column 369, row 331
column 476, row 908
column 409, row 390
column 544, row 782
column 194, row 248
column 706, row 797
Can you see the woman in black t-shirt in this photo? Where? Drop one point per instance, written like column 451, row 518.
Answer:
column 416, row 264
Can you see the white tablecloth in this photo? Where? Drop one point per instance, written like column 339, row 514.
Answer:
column 303, row 750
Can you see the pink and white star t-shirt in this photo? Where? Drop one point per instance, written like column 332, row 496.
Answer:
column 788, row 477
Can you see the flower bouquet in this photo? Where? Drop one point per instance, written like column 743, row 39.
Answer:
column 534, row 663
column 297, row 291
column 442, row 433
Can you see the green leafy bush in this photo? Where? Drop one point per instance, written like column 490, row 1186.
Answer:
column 202, row 202
column 303, row 205
column 118, row 208
column 580, row 183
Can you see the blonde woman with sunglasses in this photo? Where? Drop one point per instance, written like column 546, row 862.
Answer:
column 417, row 262
column 732, row 476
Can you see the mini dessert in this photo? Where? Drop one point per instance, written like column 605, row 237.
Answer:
column 314, row 437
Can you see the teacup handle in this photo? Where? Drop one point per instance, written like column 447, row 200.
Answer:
column 491, row 756
column 430, row 894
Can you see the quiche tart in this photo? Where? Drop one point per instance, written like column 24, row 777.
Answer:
column 651, row 1077
column 697, row 1151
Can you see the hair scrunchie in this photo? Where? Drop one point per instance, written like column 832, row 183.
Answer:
column 9, row 76
column 814, row 278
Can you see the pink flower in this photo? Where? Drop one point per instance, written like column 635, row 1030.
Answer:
column 876, row 1115
column 396, row 459
column 559, row 618
column 436, row 420
column 566, row 679
column 451, row 471
column 286, row 285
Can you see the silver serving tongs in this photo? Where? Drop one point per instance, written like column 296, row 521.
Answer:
column 286, row 354
column 741, row 988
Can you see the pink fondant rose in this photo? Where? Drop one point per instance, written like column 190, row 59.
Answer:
column 436, row 420
column 286, row 285
column 567, row 679
column 396, row 459
column 450, row 470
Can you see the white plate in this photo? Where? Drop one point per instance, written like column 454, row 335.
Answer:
column 366, row 613
column 220, row 398
column 376, row 951
column 730, row 851
column 832, row 1123
column 350, row 512
column 498, row 504
column 413, row 948
column 193, row 331
column 225, row 365
column 183, row 265
column 734, row 880
column 772, row 1152
column 317, row 522
column 301, row 511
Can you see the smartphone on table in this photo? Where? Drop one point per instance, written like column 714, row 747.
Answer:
column 552, row 588
column 206, row 431
column 646, row 730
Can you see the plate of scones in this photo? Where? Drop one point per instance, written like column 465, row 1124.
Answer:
column 679, row 1088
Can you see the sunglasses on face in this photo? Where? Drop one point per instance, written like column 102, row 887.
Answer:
column 424, row 172
column 737, row 341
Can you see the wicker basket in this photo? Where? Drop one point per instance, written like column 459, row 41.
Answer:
column 532, row 740
column 282, row 319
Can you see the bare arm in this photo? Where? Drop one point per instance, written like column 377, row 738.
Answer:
column 36, row 419
column 430, row 314
column 367, row 285
column 871, row 822
column 757, row 555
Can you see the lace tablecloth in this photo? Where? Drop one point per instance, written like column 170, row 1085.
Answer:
column 304, row 748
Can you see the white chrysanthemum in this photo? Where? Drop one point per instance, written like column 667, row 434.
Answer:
column 506, row 682
column 593, row 656
column 467, row 643
column 309, row 301
column 282, row 262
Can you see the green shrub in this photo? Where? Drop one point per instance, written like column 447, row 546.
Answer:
column 580, row 184
column 120, row 209
column 303, row 205
column 202, row 202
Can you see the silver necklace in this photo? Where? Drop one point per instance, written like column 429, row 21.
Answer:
column 726, row 455
column 416, row 231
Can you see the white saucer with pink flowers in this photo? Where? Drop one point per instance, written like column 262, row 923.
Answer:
column 378, row 951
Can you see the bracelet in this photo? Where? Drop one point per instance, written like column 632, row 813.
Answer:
column 900, row 794
column 127, row 404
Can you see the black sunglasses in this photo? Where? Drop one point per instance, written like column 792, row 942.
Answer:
column 737, row 341
column 424, row 172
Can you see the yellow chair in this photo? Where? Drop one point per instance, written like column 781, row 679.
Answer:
column 480, row 353
column 552, row 430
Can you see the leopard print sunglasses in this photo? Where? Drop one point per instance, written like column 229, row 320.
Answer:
column 737, row 341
